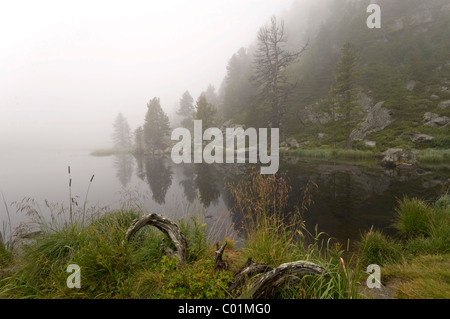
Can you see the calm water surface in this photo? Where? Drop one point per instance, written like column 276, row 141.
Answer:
column 348, row 199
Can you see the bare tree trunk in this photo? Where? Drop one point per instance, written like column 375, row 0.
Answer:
column 348, row 143
column 271, row 61
column 168, row 228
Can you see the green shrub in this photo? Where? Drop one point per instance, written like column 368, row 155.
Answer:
column 339, row 281
column 192, row 281
column 438, row 241
column 376, row 248
column 413, row 218
column 443, row 202
column 195, row 232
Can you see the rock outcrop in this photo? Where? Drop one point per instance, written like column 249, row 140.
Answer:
column 433, row 119
column 377, row 119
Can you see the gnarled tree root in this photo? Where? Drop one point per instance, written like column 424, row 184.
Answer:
column 169, row 228
column 249, row 270
column 271, row 281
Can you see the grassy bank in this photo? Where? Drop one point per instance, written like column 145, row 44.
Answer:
column 416, row 262
column 138, row 269
column 111, row 151
column 434, row 156
column 425, row 157
column 330, row 153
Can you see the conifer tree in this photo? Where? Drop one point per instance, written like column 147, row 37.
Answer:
column 156, row 127
column 186, row 109
column 122, row 133
column 238, row 90
column 205, row 112
column 344, row 106
column 139, row 140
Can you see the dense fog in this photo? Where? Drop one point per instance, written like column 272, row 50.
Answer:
column 67, row 70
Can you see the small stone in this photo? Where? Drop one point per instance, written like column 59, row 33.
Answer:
column 370, row 143
column 434, row 97
column 394, row 157
column 292, row 142
column 444, row 105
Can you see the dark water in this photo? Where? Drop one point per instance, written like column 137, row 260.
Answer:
column 348, row 199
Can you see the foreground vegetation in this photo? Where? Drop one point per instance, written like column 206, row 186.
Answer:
column 416, row 262
column 417, row 259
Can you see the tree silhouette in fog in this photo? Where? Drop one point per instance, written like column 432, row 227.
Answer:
column 122, row 137
column 156, row 127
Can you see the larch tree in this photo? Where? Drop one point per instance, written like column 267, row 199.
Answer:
column 205, row 112
column 186, row 109
column 122, row 137
column 271, row 61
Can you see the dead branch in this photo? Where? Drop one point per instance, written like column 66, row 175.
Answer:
column 249, row 270
column 271, row 281
column 169, row 228
column 219, row 264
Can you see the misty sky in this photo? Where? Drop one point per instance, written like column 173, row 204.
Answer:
column 67, row 70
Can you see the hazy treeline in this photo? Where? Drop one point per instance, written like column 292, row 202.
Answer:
column 315, row 62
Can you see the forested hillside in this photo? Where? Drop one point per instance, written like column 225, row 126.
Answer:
column 405, row 64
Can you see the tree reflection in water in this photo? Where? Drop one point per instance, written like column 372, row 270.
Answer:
column 349, row 199
column 206, row 182
column 159, row 177
column 188, row 183
column 123, row 163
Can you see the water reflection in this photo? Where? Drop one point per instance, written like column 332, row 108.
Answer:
column 124, row 164
column 348, row 199
column 158, row 172
column 206, row 181
column 188, row 183
column 140, row 170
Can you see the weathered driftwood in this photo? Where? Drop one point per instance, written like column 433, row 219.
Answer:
column 219, row 263
column 271, row 281
column 270, row 278
column 249, row 270
column 169, row 228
